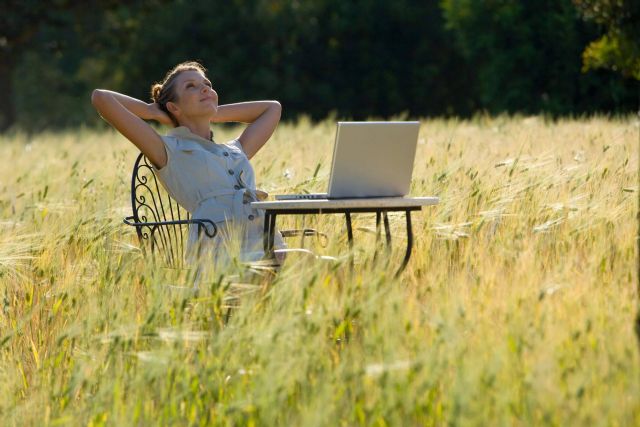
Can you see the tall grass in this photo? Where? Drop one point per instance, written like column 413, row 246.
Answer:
column 517, row 306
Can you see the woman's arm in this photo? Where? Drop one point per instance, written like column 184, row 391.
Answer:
column 262, row 116
column 126, row 114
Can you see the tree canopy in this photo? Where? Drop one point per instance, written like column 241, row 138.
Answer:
column 351, row 59
column 619, row 47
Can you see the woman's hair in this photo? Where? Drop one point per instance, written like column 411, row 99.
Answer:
column 164, row 92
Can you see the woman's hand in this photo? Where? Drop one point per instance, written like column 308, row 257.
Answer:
column 127, row 115
column 156, row 113
column 262, row 116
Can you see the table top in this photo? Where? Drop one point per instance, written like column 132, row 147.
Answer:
column 378, row 202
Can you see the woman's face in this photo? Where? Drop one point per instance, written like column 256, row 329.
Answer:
column 195, row 96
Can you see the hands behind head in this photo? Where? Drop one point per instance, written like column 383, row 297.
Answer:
column 158, row 115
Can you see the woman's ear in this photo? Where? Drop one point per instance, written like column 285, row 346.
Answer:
column 173, row 108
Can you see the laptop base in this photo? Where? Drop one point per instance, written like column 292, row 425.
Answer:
column 310, row 196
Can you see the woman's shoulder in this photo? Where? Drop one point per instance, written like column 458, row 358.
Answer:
column 169, row 139
column 175, row 142
column 235, row 146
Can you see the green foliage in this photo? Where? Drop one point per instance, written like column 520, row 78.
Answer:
column 358, row 59
column 319, row 58
column 619, row 48
column 527, row 55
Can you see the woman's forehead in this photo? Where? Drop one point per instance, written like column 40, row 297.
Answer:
column 190, row 75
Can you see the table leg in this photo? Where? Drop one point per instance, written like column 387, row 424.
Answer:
column 347, row 216
column 409, row 244
column 387, row 230
column 272, row 234
column 268, row 234
column 265, row 233
column 375, row 251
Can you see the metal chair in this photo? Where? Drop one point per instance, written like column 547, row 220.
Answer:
column 162, row 224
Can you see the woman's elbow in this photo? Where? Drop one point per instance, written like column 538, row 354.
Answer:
column 96, row 96
column 277, row 107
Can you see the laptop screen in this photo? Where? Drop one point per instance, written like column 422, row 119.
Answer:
column 373, row 159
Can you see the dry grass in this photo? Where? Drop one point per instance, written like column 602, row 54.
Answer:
column 517, row 306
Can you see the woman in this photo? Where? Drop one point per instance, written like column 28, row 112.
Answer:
column 211, row 181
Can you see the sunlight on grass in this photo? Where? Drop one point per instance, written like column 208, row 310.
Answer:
column 517, row 306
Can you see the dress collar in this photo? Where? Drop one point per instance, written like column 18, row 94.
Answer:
column 185, row 132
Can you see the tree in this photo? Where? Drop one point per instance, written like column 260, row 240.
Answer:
column 19, row 23
column 357, row 59
column 619, row 48
column 526, row 55
column 48, row 45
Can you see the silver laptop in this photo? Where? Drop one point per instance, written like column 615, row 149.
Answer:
column 370, row 159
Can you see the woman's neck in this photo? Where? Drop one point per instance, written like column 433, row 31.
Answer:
column 200, row 128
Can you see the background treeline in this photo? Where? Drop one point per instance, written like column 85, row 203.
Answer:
column 355, row 59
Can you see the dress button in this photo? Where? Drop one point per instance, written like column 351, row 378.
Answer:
column 226, row 154
column 251, row 217
column 231, row 172
column 236, row 187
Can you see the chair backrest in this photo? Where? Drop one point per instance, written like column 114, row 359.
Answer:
column 152, row 204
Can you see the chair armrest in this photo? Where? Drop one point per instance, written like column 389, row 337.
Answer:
column 201, row 223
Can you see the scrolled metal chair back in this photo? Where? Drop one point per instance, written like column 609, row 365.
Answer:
column 160, row 222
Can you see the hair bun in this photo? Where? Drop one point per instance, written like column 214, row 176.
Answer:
column 156, row 88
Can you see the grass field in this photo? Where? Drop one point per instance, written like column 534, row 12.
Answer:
column 517, row 307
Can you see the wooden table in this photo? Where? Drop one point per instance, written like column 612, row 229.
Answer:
column 379, row 206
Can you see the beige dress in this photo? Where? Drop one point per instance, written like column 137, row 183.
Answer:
column 216, row 182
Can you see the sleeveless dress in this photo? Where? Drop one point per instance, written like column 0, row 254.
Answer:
column 216, row 182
